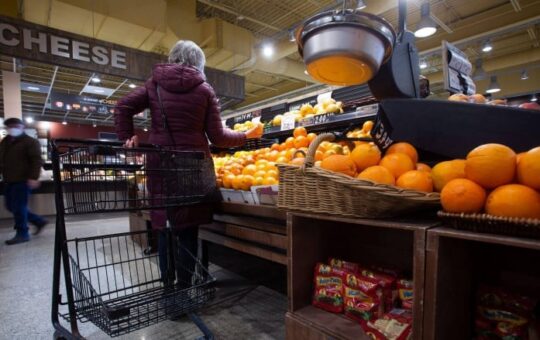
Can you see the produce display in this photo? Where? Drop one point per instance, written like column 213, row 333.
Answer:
column 327, row 105
column 379, row 299
column 492, row 179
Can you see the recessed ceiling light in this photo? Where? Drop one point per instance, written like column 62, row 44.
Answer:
column 32, row 88
column 98, row 91
column 423, row 64
column 96, row 79
column 64, row 123
column 306, row 73
column 145, row 129
column 534, row 98
column 487, row 47
column 360, row 5
column 524, row 75
column 132, row 86
column 268, row 50
column 29, row 120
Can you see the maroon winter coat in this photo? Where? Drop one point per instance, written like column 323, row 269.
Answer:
column 192, row 111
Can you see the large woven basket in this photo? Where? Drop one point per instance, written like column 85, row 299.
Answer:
column 484, row 223
column 312, row 189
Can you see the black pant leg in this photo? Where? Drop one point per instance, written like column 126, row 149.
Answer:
column 186, row 254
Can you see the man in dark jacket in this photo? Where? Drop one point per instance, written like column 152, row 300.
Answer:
column 20, row 164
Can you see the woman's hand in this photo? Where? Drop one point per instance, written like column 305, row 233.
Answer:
column 255, row 132
column 132, row 142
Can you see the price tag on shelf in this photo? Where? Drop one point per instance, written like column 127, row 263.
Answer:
column 256, row 120
column 287, row 122
column 317, row 119
column 381, row 133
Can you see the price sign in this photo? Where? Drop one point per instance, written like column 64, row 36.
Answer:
column 317, row 119
column 381, row 133
column 256, row 120
column 323, row 96
column 287, row 122
column 224, row 123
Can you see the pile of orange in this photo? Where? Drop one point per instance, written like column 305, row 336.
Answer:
column 492, row 179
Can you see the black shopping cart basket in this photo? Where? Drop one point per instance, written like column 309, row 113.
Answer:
column 109, row 279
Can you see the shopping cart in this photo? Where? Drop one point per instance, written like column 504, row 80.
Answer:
column 108, row 279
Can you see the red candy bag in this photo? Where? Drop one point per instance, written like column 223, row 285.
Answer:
column 348, row 266
column 396, row 325
column 388, row 285
column 362, row 298
column 328, row 294
column 405, row 293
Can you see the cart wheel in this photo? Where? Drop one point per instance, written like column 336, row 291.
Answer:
column 57, row 336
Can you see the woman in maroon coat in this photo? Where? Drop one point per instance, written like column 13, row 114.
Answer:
column 193, row 117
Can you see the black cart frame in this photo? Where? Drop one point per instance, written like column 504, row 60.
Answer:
column 110, row 280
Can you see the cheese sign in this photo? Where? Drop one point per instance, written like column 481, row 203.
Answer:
column 288, row 122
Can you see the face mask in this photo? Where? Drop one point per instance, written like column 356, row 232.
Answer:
column 15, row 132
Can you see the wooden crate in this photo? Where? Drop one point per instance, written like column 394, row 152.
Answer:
column 315, row 238
column 457, row 261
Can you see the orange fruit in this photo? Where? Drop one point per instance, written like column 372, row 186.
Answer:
column 276, row 146
column 246, row 181
column 405, row 148
column 237, row 182
column 270, row 181
column 415, row 180
column 339, row 163
column 236, row 169
column 446, row 171
column 528, row 169
column 273, row 155
column 272, row 173
column 491, row 165
column 324, row 146
column 282, row 160
column 249, row 169
column 337, row 148
column 328, row 153
column 301, row 142
column 298, row 161
column 378, row 174
column 319, row 155
column 258, row 180
column 311, row 136
column 365, row 155
column 300, row 131
column 423, row 167
column 291, row 153
column 462, row 195
column 519, row 156
column 228, row 180
column 368, row 125
column 289, row 142
column 259, row 173
column 514, row 200
column 397, row 163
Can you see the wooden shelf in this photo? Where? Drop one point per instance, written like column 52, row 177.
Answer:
column 328, row 325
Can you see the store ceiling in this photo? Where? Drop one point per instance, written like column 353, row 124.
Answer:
column 233, row 42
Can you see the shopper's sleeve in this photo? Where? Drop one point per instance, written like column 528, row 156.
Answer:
column 217, row 134
column 126, row 108
column 34, row 159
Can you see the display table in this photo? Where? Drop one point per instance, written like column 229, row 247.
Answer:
column 313, row 238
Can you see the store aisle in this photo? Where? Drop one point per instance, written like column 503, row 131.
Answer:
column 243, row 309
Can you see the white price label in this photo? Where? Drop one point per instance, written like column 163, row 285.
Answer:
column 256, row 120
column 323, row 96
column 224, row 123
column 287, row 122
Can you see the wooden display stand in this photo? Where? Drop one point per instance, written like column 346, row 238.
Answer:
column 457, row 261
column 315, row 238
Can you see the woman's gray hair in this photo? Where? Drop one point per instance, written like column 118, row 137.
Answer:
column 188, row 53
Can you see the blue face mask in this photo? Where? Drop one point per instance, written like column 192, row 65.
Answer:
column 15, row 132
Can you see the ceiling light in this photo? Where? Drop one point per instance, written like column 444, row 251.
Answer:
column 306, row 73
column 268, row 50
column 487, row 47
column 524, row 75
column 423, row 64
column 98, row 91
column 292, row 38
column 493, row 85
column 45, row 125
column 29, row 120
column 534, row 98
column 95, row 79
column 94, row 124
column 145, row 129
column 240, row 17
column 64, row 123
column 33, row 88
column 360, row 5
column 426, row 26
column 479, row 72
column 132, row 86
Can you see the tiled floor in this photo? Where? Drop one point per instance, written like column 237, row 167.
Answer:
column 243, row 309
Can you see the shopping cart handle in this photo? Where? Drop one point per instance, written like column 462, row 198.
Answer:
column 96, row 142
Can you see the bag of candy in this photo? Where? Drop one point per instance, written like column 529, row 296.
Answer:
column 328, row 292
column 362, row 298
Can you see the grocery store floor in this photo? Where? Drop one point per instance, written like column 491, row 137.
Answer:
column 250, row 303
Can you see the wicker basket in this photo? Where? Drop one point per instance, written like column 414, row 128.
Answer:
column 484, row 223
column 312, row 189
